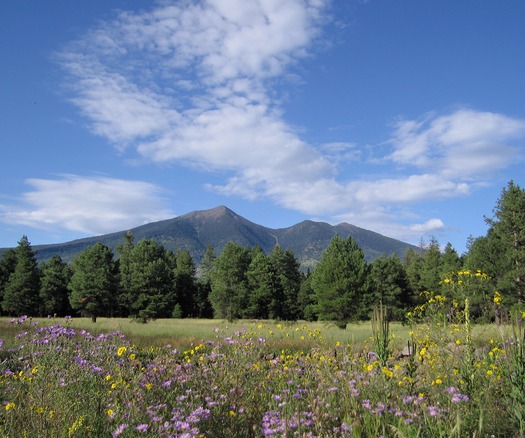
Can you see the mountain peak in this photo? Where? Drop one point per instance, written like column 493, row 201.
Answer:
column 211, row 214
column 217, row 226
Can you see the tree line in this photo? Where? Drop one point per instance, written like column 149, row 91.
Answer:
column 145, row 281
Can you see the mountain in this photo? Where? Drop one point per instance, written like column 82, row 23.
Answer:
column 197, row 230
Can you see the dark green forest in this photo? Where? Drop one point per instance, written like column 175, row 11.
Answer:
column 144, row 281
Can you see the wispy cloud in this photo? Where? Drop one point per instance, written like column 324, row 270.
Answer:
column 463, row 144
column 193, row 83
column 91, row 205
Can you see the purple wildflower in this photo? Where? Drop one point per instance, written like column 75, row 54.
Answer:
column 457, row 398
column 120, row 430
column 433, row 411
column 142, row 428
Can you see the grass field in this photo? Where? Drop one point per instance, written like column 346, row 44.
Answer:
column 210, row 378
column 183, row 333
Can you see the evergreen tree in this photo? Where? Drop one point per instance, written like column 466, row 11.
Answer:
column 431, row 267
column 7, row 267
column 208, row 264
column 289, row 280
column 450, row 260
column 339, row 282
column 307, row 300
column 413, row 264
column 486, row 254
column 151, row 293
column 202, row 302
column 262, row 285
column 185, row 287
column 21, row 290
column 229, row 286
column 93, row 284
column 54, row 292
column 124, row 267
column 388, row 285
column 508, row 225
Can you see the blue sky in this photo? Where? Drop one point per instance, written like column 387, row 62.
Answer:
column 401, row 117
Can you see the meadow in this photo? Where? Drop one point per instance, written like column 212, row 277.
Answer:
column 187, row 378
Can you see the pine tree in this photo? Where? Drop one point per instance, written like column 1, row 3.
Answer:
column 508, row 225
column 151, row 292
column 202, row 301
column 22, row 287
column 262, row 284
column 307, row 300
column 7, row 267
column 54, row 292
column 185, row 287
column 388, row 285
column 124, row 267
column 229, row 288
column 289, row 279
column 431, row 267
column 339, row 282
column 93, row 284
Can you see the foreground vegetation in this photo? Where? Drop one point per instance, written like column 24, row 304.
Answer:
column 433, row 377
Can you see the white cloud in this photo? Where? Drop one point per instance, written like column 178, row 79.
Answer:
column 463, row 144
column 191, row 82
column 91, row 205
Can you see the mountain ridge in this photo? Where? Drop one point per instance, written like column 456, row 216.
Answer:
column 196, row 230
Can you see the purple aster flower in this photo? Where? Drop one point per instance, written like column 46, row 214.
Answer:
column 457, row 398
column 119, row 430
column 142, row 428
column 452, row 390
column 433, row 411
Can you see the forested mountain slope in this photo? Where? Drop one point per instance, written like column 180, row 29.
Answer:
column 216, row 227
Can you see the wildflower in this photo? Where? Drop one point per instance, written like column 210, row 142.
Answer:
column 387, row 372
column 119, row 430
column 9, row 406
column 456, row 398
column 132, row 356
column 77, row 425
column 121, row 351
column 142, row 428
column 433, row 411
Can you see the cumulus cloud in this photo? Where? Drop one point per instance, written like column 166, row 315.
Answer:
column 193, row 83
column 91, row 205
column 463, row 144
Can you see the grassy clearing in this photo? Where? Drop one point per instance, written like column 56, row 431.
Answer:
column 183, row 333
column 258, row 378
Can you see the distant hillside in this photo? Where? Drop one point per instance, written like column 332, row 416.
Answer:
column 197, row 230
